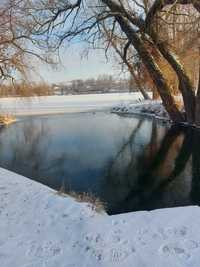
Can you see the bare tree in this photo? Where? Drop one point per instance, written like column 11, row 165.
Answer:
column 17, row 45
column 65, row 20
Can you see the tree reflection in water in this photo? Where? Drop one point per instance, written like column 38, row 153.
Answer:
column 160, row 175
column 29, row 155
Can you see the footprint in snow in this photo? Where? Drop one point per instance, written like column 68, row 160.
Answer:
column 2, row 188
column 47, row 249
column 65, row 215
column 175, row 249
column 178, row 232
column 191, row 244
column 145, row 235
column 116, row 238
column 98, row 254
column 118, row 255
column 119, row 222
column 95, row 239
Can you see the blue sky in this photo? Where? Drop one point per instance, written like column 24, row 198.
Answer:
column 75, row 67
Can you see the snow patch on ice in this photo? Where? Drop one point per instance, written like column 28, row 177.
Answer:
column 148, row 108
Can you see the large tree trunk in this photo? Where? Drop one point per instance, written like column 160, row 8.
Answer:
column 156, row 95
column 154, row 71
column 195, row 195
column 185, row 85
column 136, row 39
column 197, row 115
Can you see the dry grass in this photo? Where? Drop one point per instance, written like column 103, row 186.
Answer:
column 7, row 119
column 25, row 89
column 96, row 203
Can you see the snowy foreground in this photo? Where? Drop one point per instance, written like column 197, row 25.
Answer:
column 40, row 228
column 63, row 104
column 148, row 108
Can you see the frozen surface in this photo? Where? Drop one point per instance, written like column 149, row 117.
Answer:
column 40, row 228
column 63, row 104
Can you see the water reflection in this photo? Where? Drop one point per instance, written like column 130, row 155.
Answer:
column 158, row 175
column 130, row 163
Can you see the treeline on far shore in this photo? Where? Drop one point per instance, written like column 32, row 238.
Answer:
column 25, row 89
column 102, row 84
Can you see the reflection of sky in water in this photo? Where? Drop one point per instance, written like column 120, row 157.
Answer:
column 83, row 142
column 80, row 151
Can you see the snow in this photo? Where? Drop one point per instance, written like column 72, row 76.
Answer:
column 62, row 104
column 148, row 108
column 40, row 228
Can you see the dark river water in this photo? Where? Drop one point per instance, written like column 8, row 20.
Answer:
column 129, row 163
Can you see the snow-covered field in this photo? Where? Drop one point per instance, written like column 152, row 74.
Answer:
column 39, row 228
column 64, row 104
column 147, row 108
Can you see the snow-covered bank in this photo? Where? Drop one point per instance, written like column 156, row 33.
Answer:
column 41, row 228
column 147, row 108
column 63, row 104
